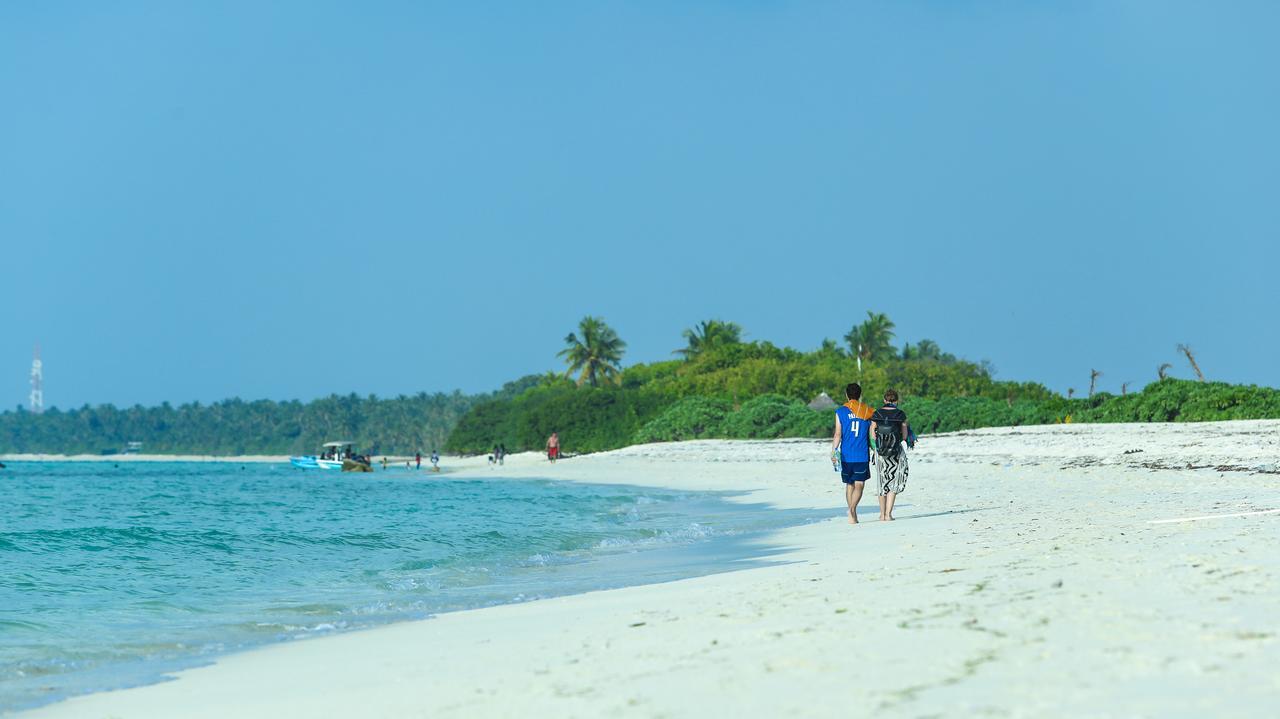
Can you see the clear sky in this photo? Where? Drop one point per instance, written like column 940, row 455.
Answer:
column 288, row 199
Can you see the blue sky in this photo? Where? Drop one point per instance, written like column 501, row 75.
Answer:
column 283, row 200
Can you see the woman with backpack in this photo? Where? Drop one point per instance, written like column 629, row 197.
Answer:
column 890, row 430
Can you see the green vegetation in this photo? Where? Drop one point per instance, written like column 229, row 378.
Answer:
column 395, row 426
column 597, row 418
column 773, row 415
column 1168, row 400
column 597, row 355
column 689, row 418
column 722, row 387
column 1173, row 400
column 709, row 335
column 873, row 339
column 767, row 416
column 727, row 388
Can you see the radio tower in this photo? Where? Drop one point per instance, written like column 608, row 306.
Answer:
column 37, row 383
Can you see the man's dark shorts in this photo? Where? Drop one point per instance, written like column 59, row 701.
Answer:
column 851, row 472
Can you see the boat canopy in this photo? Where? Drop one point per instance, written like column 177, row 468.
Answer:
column 336, row 444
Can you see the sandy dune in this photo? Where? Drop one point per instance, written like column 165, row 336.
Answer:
column 1024, row 578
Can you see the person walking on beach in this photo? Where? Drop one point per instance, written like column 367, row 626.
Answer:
column 851, row 443
column 891, row 431
column 435, row 461
column 502, row 453
column 553, row 447
column 418, row 458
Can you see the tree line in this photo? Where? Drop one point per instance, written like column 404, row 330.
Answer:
column 400, row 425
column 719, row 385
column 759, row 388
column 723, row 386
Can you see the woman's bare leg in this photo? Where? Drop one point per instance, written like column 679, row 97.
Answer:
column 888, row 512
column 883, row 513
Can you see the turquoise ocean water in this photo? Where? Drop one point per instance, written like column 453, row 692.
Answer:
column 111, row 575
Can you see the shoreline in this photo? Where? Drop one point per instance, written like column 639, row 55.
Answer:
column 229, row 459
column 618, row 536
column 117, row 458
column 1009, row 617
column 1098, row 442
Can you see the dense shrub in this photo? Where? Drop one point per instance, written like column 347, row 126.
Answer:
column 771, row 416
column 740, row 372
column 681, row 399
column 956, row 413
column 1175, row 400
column 690, row 418
column 768, row 416
column 677, row 400
column 1169, row 400
column 588, row 419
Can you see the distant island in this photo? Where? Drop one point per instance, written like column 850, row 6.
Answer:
column 716, row 386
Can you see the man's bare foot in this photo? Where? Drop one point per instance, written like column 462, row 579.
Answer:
column 853, row 518
column 889, row 518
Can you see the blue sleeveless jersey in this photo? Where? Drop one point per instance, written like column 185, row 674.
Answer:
column 855, row 426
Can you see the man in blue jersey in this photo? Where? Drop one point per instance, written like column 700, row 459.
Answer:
column 851, row 441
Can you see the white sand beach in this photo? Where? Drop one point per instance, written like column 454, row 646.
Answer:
column 1032, row 572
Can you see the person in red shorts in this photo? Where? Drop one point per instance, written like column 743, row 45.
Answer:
column 553, row 447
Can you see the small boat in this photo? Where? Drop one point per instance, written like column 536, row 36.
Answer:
column 334, row 455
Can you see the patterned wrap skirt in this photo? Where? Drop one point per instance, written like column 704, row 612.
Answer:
column 891, row 472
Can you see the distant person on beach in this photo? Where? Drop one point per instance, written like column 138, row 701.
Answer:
column 502, row 453
column 850, row 445
column 435, row 461
column 418, row 458
column 553, row 447
column 891, row 431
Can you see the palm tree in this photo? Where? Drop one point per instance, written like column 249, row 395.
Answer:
column 928, row 349
column 1163, row 370
column 596, row 356
column 1093, row 380
column 1071, row 392
column 923, row 350
column 829, row 347
column 873, row 339
column 1192, row 359
column 709, row 334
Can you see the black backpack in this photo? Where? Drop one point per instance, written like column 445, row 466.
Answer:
column 887, row 438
